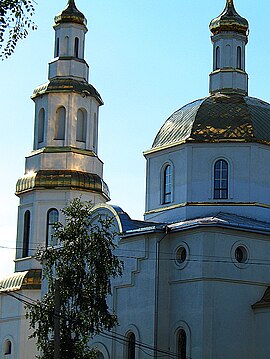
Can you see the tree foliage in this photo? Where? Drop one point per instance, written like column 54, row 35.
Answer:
column 15, row 23
column 83, row 263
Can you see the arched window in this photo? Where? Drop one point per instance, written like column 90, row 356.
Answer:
column 239, row 58
column 60, row 124
column 57, row 47
column 81, row 126
column 52, row 219
column 100, row 355
column 41, row 124
column 167, row 184
column 131, row 346
column 221, row 180
column 181, row 344
column 95, row 132
column 228, row 56
column 66, row 45
column 76, row 47
column 26, row 234
column 7, row 347
column 217, row 58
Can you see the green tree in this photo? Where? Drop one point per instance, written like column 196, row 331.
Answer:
column 15, row 23
column 83, row 264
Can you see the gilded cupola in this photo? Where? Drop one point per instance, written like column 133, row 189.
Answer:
column 229, row 20
column 70, row 15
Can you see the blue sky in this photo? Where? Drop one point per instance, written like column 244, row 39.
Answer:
column 147, row 59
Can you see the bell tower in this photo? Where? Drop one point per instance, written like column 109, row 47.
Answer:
column 64, row 163
column 230, row 37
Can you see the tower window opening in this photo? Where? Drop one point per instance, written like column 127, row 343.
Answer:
column 181, row 344
column 217, row 58
column 57, row 47
column 131, row 346
column 95, row 132
column 26, row 234
column 81, row 126
column 52, row 219
column 167, row 184
column 76, row 47
column 228, row 56
column 60, row 124
column 41, row 124
column 239, row 58
column 7, row 347
column 66, row 45
column 221, row 180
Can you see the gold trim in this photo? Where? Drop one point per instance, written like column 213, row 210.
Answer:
column 189, row 204
column 190, row 141
column 229, row 69
column 66, row 149
column 62, row 180
column 21, row 280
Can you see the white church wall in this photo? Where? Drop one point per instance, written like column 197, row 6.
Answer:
column 15, row 327
column 193, row 173
column 262, row 332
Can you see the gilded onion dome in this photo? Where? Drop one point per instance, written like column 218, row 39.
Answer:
column 229, row 20
column 217, row 118
column 70, row 15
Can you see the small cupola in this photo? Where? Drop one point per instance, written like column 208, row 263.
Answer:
column 229, row 20
column 70, row 15
column 229, row 38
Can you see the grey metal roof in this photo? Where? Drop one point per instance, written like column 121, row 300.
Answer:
column 220, row 117
column 67, row 85
column 221, row 219
column 129, row 225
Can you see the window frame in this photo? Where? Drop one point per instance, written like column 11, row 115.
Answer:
column 131, row 345
column 50, row 227
column 81, row 128
column 26, row 233
column 76, row 47
column 167, row 183
column 239, row 61
column 220, row 179
column 217, row 58
column 181, row 349
column 41, row 125
column 60, row 124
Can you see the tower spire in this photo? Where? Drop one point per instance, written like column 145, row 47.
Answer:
column 230, row 36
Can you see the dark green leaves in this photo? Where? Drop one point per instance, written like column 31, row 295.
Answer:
column 15, row 19
column 83, row 264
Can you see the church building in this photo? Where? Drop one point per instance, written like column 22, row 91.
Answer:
column 196, row 281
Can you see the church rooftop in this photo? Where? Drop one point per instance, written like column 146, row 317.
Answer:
column 217, row 118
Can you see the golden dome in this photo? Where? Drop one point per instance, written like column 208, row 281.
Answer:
column 70, row 15
column 229, row 20
column 217, row 118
